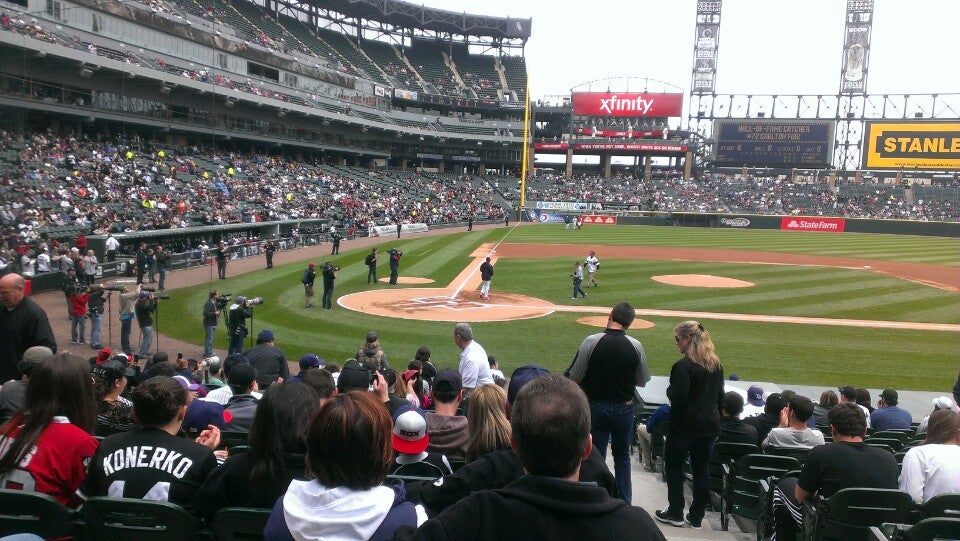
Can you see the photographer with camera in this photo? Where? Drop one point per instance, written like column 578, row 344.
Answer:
column 146, row 305
column 128, row 299
column 329, row 275
column 309, row 275
column 211, row 315
column 395, row 256
column 78, row 298
column 95, row 313
column 240, row 311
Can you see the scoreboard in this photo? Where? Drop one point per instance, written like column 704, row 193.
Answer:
column 773, row 143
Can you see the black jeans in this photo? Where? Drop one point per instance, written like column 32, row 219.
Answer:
column 675, row 449
column 328, row 296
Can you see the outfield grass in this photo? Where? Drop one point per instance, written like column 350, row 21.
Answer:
column 784, row 353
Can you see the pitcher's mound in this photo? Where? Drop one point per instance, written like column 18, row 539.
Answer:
column 601, row 321
column 408, row 280
column 700, row 280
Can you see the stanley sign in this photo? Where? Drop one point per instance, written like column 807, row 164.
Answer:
column 912, row 145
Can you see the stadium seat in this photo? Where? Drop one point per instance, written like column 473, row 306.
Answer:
column 128, row 519
column 849, row 513
column 895, row 444
column 928, row 529
column 944, row 505
column 725, row 452
column 741, row 492
column 22, row 511
column 239, row 524
column 799, row 453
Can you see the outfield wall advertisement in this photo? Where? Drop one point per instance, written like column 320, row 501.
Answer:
column 806, row 223
column 912, row 145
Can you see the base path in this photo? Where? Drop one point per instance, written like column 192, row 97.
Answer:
column 460, row 300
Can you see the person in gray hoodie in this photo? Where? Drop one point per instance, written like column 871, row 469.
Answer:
column 448, row 431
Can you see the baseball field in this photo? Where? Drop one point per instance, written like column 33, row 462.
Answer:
column 789, row 307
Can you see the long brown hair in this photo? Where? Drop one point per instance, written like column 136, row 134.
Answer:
column 487, row 421
column 700, row 350
column 60, row 386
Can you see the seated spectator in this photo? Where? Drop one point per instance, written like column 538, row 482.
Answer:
column 849, row 394
column 13, row 392
column 863, row 399
column 499, row 468
column 939, row 403
column 755, row 403
column 211, row 370
column 47, row 445
column 487, row 424
column 770, row 418
column 193, row 389
column 888, row 414
column 832, row 467
column 151, row 462
column 353, row 377
column 732, row 429
column 551, row 431
column 307, row 362
column 645, row 431
column 828, row 399
column 114, row 412
column 410, row 440
column 448, row 431
column 222, row 394
column 397, row 390
column 348, row 456
column 277, row 453
column 322, row 382
column 269, row 360
column 496, row 373
column 793, row 430
column 933, row 468
column 242, row 406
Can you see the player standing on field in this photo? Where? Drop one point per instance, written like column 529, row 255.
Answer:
column 592, row 264
column 486, row 274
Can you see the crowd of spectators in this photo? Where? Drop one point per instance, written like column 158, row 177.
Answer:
column 755, row 195
column 115, row 184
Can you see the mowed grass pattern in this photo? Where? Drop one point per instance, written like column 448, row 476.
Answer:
column 785, row 353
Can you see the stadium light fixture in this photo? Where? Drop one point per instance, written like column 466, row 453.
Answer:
column 918, row 114
column 229, row 102
column 86, row 71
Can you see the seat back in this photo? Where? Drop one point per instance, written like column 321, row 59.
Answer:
column 744, row 488
column 726, row 452
column 128, row 519
column 239, row 524
column 930, row 529
column 418, row 469
column 799, row 453
column 894, row 443
column 23, row 511
column 231, row 438
column 944, row 505
column 902, row 434
column 848, row 514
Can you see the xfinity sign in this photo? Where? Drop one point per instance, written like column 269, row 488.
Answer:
column 628, row 104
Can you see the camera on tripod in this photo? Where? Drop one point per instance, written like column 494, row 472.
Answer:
column 223, row 300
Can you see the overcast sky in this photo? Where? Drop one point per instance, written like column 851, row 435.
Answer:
column 766, row 46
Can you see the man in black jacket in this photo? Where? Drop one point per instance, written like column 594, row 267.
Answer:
column 23, row 324
column 732, row 429
column 551, row 435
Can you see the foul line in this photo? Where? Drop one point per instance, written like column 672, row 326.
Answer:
column 799, row 320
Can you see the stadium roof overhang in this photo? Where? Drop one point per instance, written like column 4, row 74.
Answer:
column 408, row 15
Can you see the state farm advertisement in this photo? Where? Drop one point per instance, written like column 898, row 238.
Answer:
column 806, row 223
column 603, row 220
column 610, row 104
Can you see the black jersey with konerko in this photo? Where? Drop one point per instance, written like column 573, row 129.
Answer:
column 148, row 464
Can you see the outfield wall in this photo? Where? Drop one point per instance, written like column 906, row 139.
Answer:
column 829, row 224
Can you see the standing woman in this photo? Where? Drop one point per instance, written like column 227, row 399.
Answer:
column 696, row 394
column 47, row 445
column 90, row 267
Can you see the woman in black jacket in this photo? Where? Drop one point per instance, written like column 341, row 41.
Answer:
column 277, row 453
column 696, row 395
